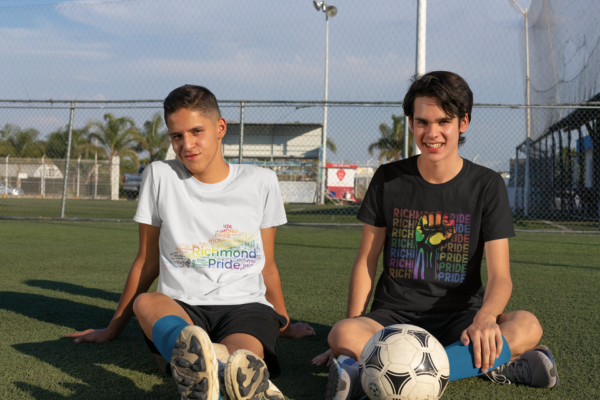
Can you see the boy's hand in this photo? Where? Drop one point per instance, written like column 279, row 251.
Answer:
column 297, row 331
column 485, row 334
column 323, row 358
column 92, row 336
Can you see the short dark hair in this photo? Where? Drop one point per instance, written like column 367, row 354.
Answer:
column 191, row 97
column 450, row 88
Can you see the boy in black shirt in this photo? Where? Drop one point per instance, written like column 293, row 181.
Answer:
column 433, row 216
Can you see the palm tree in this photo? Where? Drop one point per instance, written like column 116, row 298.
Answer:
column 391, row 143
column 80, row 143
column 20, row 143
column 114, row 137
column 331, row 145
column 153, row 138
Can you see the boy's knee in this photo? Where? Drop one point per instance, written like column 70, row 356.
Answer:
column 141, row 303
column 530, row 325
column 337, row 334
column 534, row 325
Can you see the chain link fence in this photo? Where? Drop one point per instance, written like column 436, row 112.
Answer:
column 555, row 188
column 96, row 50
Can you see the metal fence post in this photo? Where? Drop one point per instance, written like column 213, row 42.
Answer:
column 241, row 152
column 516, row 179
column 96, row 175
column 405, row 154
column 78, row 169
column 68, row 158
column 6, row 178
column 114, row 178
column 43, row 179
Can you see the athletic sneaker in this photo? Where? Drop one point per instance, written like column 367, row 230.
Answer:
column 343, row 382
column 194, row 365
column 534, row 368
column 246, row 378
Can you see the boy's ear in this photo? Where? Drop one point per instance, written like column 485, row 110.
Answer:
column 464, row 123
column 221, row 127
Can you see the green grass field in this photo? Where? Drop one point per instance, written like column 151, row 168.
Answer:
column 57, row 277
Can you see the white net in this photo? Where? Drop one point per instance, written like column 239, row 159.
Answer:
column 564, row 45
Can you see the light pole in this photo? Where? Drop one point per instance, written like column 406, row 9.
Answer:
column 330, row 11
column 421, row 56
column 527, row 100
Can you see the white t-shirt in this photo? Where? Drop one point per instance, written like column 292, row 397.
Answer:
column 211, row 251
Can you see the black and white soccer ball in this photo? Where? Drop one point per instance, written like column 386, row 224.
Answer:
column 404, row 362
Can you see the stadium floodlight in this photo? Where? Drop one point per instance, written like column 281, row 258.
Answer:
column 330, row 11
column 528, row 126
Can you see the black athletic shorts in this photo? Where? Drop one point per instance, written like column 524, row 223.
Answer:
column 445, row 327
column 255, row 319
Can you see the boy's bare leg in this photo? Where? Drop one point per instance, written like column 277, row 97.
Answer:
column 150, row 307
column 349, row 336
column 244, row 341
column 522, row 331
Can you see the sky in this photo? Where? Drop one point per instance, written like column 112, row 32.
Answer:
column 264, row 50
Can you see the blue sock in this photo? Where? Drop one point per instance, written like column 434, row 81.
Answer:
column 462, row 362
column 165, row 332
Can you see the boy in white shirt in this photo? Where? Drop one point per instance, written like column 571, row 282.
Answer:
column 207, row 231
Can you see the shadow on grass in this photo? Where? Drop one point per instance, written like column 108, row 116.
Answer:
column 542, row 264
column 310, row 246
column 74, row 289
column 106, row 370
column 338, row 211
column 91, row 363
column 300, row 379
column 97, row 225
column 561, row 243
column 55, row 311
column 101, row 371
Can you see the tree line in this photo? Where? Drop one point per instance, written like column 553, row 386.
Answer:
column 104, row 138
column 121, row 137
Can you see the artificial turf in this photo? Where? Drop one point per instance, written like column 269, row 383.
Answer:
column 57, row 277
column 296, row 213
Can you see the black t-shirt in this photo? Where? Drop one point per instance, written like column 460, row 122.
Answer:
column 435, row 235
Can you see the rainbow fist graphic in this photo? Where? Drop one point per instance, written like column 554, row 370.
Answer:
column 431, row 232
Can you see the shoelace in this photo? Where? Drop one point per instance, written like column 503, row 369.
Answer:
column 517, row 371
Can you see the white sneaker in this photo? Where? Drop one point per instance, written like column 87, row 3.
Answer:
column 534, row 368
column 343, row 382
column 194, row 365
column 246, row 378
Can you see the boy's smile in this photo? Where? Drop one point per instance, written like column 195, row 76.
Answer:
column 196, row 139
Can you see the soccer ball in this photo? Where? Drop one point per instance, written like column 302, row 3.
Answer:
column 404, row 362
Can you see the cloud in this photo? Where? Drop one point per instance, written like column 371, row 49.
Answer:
column 49, row 43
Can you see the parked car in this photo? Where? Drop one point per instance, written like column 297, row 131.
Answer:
column 10, row 190
column 132, row 183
